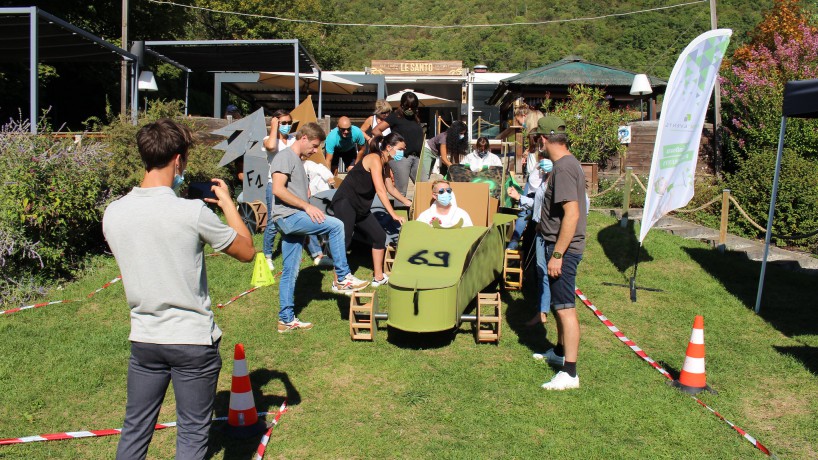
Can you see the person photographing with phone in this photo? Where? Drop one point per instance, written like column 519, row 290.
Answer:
column 158, row 239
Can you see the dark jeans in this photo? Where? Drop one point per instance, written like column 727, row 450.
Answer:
column 194, row 370
column 563, row 287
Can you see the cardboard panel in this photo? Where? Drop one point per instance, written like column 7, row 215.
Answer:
column 471, row 197
column 256, row 173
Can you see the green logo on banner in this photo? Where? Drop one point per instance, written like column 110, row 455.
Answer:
column 674, row 154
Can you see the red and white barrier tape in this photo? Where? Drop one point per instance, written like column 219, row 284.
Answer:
column 43, row 304
column 222, row 305
column 38, row 305
column 266, row 438
column 92, row 433
column 104, row 286
column 662, row 371
column 74, row 435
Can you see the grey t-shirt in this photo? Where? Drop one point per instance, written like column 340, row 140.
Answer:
column 289, row 163
column 158, row 239
column 567, row 183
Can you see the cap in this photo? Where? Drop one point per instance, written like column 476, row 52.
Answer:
column 232, row 108
column 550, row 124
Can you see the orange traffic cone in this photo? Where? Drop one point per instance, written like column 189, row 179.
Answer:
column 242, row 418
column 692, row 379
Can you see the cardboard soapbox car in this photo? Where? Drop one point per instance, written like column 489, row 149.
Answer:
column 439, row 275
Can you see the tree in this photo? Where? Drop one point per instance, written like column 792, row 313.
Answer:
column 752, row 85
column 591, row 124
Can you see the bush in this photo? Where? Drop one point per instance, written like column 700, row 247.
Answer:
column 124, row 170
column 591, row 125
column 54, row 193
column 795, row 211
column 50, row 206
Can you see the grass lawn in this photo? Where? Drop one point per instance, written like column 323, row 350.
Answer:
column 63, row 368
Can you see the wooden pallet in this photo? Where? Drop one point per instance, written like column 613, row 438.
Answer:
column 389, row 258
column 489, row 318
column 362, row 308
column 513, row 270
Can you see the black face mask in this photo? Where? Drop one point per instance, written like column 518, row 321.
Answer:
column 409, row 112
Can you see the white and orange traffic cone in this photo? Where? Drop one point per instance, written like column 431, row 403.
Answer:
column 242, row 418
column 692, row 379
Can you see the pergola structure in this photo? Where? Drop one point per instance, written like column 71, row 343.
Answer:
column 229, row 56
column 37, row 36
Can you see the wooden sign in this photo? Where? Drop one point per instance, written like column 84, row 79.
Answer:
column 414, row 67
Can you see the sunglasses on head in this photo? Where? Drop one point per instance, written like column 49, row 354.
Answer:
column 444, row 190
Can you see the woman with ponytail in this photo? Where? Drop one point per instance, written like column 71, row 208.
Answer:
column 353, row 200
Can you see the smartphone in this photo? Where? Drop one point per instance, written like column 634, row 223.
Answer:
column 200, row 190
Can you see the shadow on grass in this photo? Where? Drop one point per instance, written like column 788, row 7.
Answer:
column 245, row 448
column 806, row 354
column 522, row 309
column 786, row 302
column 420, row 340
column 620, row 246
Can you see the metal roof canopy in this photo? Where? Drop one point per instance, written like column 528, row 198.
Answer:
column 237, row 56
column 42, row 37
column 246, row 86
column 571, row 70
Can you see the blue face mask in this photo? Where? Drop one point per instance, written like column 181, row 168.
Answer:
column 444, row 199
column 284, row 129
column 546, row 165
column 482, row 153
column 178, row 181
column 398, row 155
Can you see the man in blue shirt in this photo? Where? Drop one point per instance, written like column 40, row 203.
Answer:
column 344, row 142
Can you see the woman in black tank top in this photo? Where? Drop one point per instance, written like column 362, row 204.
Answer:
column 353, row 200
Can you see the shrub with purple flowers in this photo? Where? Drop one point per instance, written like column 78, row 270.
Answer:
column 50, row 207
column 784, row 47
column 753, row 92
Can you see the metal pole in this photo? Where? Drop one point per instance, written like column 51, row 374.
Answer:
column 470, row 107
column 123, row 82
column 768, row 235
column 716, row 100
column 134, row 91
column 32, row 75
column 296, row 76
column 217, row 95
column 187, row 91
column 320, row 93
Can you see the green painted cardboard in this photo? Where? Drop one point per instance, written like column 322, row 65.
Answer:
column 439, row 272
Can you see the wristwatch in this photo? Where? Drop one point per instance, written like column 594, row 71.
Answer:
column 556, row 255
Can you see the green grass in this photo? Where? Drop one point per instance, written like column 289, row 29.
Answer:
column 63, row 368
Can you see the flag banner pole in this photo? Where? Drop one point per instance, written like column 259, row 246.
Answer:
column 632, row 284
column 676, row 151
column 684, row 108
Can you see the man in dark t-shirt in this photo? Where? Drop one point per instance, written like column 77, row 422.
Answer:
column 562, row 231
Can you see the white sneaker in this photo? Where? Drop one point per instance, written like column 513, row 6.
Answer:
column 552, row 357
column 323, row 261
column 562, row 381
column 349, row 284
column 270, row 264
column 381, row 282
column 293, row 325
